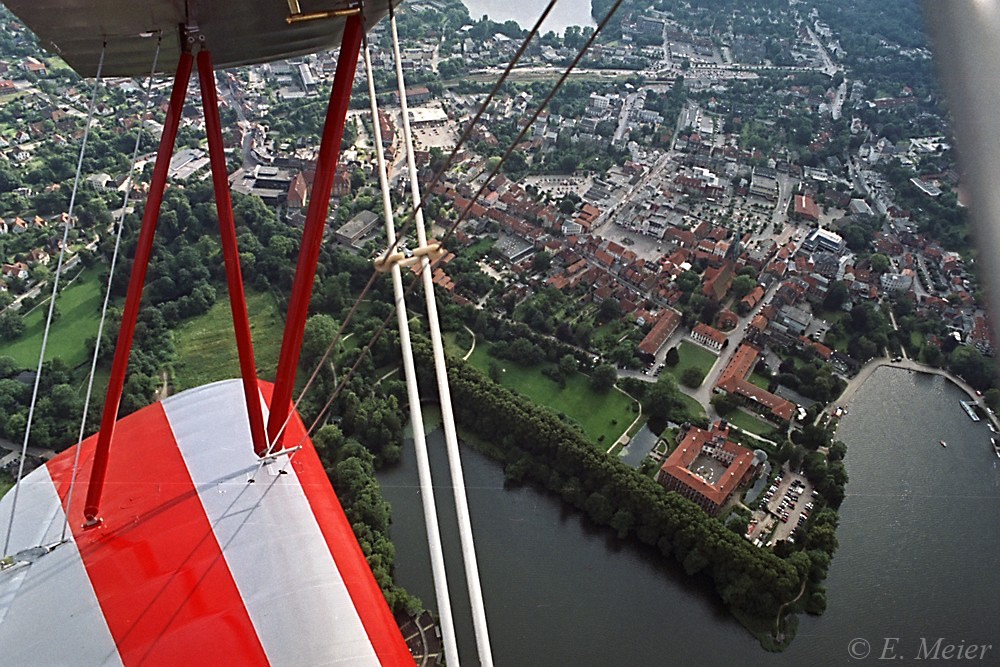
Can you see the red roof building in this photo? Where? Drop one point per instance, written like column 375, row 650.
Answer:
column 693, row 469
column 806, row 208
column 708, row 336
column 733, row 381
column 658, row 335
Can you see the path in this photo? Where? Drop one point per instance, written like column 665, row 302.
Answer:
column 908, row 364
column 473, row 348
column 621, row 439
column 781, row 610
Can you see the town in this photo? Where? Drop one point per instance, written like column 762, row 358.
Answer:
column 692, row 255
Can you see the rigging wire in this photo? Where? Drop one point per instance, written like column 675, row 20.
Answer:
column 441, row 373
column 413, row 393
column 107, row 293
column 409, row 219
column 378, row 332
column 55, row 291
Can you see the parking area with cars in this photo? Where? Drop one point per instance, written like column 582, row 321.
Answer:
column 783, row 510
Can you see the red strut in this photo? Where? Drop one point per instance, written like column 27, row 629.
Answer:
column 138, row 276
column 230, row 252
column 312, row 234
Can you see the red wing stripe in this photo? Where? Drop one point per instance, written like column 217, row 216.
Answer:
column 361, row 584
column 290, row 584
column 155, row 564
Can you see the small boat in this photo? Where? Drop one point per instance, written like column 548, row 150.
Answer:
column 992, row 427
column 942, row 443
column 996, row 447
column 969, row 411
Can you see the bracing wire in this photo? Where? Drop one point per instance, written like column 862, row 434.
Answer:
column 52, row 301
column 413, row 394
column 466, row 538
column 451, row 229
column 107, row 293
column 409, row 220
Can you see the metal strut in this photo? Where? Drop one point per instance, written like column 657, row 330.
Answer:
column 191, row 38
column 312, row 233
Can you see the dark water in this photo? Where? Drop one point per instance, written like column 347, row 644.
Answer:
column 918, row 544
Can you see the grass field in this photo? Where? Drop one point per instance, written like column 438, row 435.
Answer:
column 693, row 407
column 759, row 380
column 748, row 422
column 206, row 347
column 692, row 356
column 79, row 307
column 595, row 413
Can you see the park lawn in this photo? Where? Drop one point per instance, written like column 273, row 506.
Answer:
column 916, row 339
column 758, row 380
column 692, row 356
column 206, row 346
column 694, row 408
column 748, row 422
column 79, row 306
column 594, row 412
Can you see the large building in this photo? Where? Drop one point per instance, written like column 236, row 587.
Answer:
column 707, row 468
column 658, row 335
column 733, row 381
column 353, row 232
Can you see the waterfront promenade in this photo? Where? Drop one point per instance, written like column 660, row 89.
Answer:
column 907, row 364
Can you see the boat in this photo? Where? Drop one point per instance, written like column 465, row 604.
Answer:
column 993, row 428
column 969, row 410
column 996, row 446
column 942, row 443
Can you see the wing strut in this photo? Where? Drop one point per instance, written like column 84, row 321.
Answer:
column 312, row 233
column 190, row 39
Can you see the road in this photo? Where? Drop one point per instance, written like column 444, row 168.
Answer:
column 703, row 394
column 623, row 118
column 829, row 68
column 232, row 99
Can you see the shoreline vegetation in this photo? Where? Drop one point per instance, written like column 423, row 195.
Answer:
column 537, row 447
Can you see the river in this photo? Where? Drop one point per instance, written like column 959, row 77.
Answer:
column 918, row 543
column 564, row 14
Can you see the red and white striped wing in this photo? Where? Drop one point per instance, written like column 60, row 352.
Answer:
column 194, row 564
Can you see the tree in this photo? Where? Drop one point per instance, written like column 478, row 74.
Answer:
column 724, row 404
column 567, row 365
column 603, row 378
column 673, row 357
column 879, row 263
column 836, row 296
column 691, row 377
column 608, row 310
column 992, row 398
column 742, row 286
column 541, row 261
column 11, row 325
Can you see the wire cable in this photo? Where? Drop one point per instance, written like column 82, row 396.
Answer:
column 413, row 393
column 52, row 301
column 378, row 332
column 107, row 293
column 441, row 373
column 409, row 220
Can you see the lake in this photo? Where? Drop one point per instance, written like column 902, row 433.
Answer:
column 564, row 14
column 918, row 553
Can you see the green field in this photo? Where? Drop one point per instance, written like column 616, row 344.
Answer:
column 594, row 412
column 79, row 306
column 694, row 408
column 758, row 380
column 206, row 346
column 748, row 422
column 692, row 356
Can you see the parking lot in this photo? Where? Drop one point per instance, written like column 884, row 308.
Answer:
column 785, row 507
